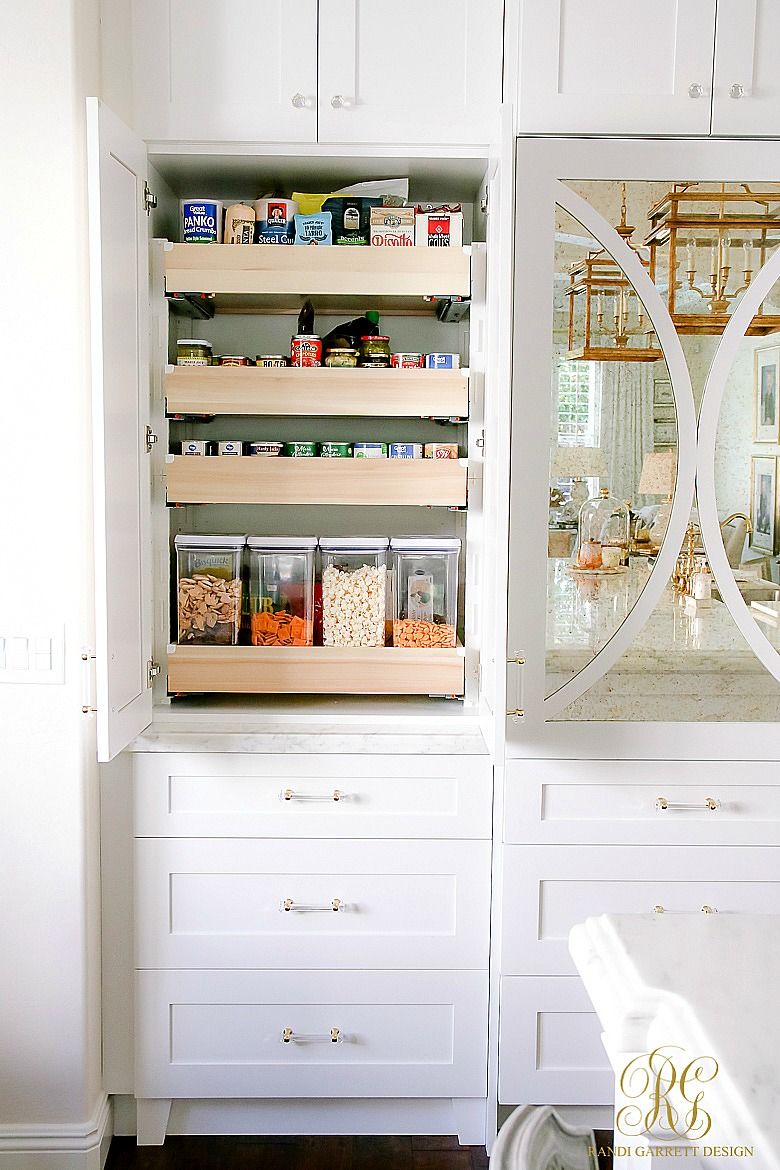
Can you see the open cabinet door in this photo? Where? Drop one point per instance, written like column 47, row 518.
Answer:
column 119, row 294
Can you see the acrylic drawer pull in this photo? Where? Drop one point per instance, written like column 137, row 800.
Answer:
column 334, row 797
column 333, row 1037
column 335, row 905
column 709, row 909
column 709, row 805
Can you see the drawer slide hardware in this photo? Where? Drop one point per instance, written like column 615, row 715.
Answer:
column 335, row 905
column 334, row 797
column 333, row 1037
column 709, row 805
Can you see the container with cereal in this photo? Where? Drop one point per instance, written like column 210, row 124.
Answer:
column 281, row 590
column 354, row 590
column 209, row 589
column 425, row 594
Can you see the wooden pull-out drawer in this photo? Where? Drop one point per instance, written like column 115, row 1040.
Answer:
column 246, row 903
column 548, row 891
column 398, row 1034
column 641, row 802
column 319, row 796
column 550, row 1046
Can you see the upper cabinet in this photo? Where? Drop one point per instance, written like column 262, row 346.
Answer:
column 337, row 71
column 626, row 67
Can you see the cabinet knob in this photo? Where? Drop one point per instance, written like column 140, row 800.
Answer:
column 737, row 91
column 695, row 90
column 299, row 101
column 338, row 101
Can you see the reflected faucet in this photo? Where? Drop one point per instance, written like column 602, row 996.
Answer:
column 738, row 516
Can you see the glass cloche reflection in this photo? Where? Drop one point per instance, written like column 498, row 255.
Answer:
column 603, row 532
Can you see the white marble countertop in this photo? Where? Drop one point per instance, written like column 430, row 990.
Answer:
column 708, row 985
column 306, row 725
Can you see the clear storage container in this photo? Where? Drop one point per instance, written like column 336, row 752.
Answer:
column 425, row 595
column 281, row 590
column 209, row 588
column 354, row 590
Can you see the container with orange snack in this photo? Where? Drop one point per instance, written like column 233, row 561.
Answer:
column 425, row 601
column 281, row 590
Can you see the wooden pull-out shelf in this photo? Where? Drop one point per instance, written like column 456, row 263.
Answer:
column 233, row 479
column 259, row 390
column 263, row 269
column 332, row 670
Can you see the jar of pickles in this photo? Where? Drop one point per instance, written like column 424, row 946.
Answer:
column 281, row 590
column 375, row 351
column 209, row 588
column 341, row 357
column 425, row 575
column 191, row 352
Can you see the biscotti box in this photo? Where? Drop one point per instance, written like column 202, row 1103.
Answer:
column 392, row 227
column 439, row 229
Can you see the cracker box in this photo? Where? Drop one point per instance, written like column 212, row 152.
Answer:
column 439, row 229
column 392, row 227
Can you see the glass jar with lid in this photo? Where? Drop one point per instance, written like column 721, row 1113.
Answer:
column 281, row 590
column 603, row 532
column 375, row 351
column 193, row 352
column 354, row 590
column 425, row 590
column 208, row 572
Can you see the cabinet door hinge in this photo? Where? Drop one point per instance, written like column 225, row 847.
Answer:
column 152, row 671
column 150, row 200
column 151, row 439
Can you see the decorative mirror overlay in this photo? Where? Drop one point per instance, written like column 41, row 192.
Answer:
column 699, row 658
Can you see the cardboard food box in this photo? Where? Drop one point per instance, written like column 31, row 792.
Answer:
column 392, row 227
column 439, row 229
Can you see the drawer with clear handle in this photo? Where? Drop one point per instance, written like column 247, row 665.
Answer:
column 548, row 891
column 270, row 904
column 643, row 802
column 209, row 795
column 305, row 1034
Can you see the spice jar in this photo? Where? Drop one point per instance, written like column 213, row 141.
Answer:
column 341, row 357
column 425, row 605
column 281, row 590
column 209, row 588
column 190, row 352
column 354, row 582
column 375, row 351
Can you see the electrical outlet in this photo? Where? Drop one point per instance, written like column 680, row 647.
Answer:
column 32, row 656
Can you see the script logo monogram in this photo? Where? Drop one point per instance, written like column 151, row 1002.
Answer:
column 668, row 1097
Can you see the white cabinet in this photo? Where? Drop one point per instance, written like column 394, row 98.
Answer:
column 410, row 73
column 625, row 67
column 364, row 72
column 225, row 72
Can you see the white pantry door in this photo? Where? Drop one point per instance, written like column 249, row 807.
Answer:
column 410, row 72
column 615, row 67
column 119, row 297
column 746, row 89
column 225, row 72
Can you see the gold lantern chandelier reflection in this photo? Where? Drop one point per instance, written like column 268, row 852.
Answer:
column 607, row 321
column 711, row 239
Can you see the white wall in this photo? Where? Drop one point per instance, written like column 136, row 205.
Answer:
column 49, row 912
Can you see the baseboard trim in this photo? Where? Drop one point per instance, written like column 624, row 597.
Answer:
column 77, row 1146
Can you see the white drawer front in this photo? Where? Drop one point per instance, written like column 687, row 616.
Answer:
column 378, row 796
column 548, row 891
column 220, row 903
column 401, row 1034
column 614, row 802
column 550, row 1049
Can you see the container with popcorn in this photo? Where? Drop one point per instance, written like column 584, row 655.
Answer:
column 354, row 590
column 209, row 589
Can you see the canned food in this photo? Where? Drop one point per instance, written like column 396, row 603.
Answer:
column 407, row 361
column 302, row 450
column 442, row 361
column 234, row 360
column 406, row 450
column 341, row 357
column 369, row 450
column 306, row 350
column 192, row 352
column 335, row 450
column 264, row 447
column 196, row 447
column 230, row 447
column 201, row 221
column 271, row 359
column 441, row 450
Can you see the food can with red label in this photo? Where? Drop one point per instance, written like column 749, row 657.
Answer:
column 407, row 361
column 272, row 359
column 234, row 360
column 306, row 350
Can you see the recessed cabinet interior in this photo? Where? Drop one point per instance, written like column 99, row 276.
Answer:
column 624, row 67
column 336, row 71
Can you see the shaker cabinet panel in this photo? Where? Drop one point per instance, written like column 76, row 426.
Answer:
column 410, row 73
column 228, row 72
column 615, row 67
column 746, row 89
